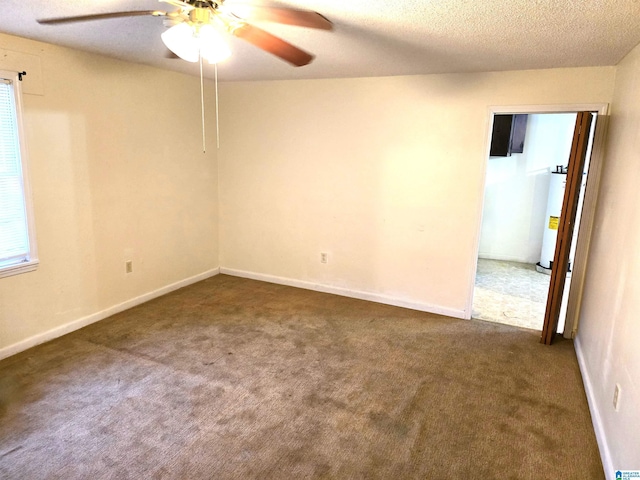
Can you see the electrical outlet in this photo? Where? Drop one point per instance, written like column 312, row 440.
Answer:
column 324, row 257
column 616, row 397
column 128, row 266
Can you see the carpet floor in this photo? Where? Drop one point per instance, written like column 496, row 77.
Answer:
column 237, row 379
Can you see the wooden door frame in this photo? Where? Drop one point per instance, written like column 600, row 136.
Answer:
column 579, row 265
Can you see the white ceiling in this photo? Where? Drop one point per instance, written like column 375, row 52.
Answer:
column 371, row 37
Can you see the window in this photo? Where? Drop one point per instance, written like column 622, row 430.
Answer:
column 17, row 237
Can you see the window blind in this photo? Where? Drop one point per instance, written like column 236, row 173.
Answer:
column 14, row 233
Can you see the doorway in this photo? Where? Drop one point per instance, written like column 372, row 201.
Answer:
column 510, row 281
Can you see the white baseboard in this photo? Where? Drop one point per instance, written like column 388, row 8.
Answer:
column 345, row 292
column 601, row 437
column 506, row 258
column 95, row 317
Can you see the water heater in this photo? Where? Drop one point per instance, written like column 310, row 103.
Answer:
column 557, row 186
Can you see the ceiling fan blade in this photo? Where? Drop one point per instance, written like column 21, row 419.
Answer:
column 272, row 44
column 287, row 16
column 101, row 16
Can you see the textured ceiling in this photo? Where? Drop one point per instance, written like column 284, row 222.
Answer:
column 371, row 37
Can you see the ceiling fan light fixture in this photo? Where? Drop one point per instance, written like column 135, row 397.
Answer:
column 212, row 46
column 180, row 40
column 189, row 42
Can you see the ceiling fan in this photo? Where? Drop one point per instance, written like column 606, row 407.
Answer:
column 192, row 33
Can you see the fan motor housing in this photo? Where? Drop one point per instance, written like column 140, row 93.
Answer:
column 200, row 16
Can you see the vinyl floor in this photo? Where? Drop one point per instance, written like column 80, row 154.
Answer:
column 510, row 293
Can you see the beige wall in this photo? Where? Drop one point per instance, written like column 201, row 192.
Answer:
column 609, row 332
column 117, row 172
column 384, row 174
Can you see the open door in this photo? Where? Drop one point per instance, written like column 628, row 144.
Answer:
column 566, row 224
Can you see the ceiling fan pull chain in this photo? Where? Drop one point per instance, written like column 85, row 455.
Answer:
column 204, row 147
column 217, row 115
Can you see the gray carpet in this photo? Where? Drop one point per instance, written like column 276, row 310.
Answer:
column 237, row 379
